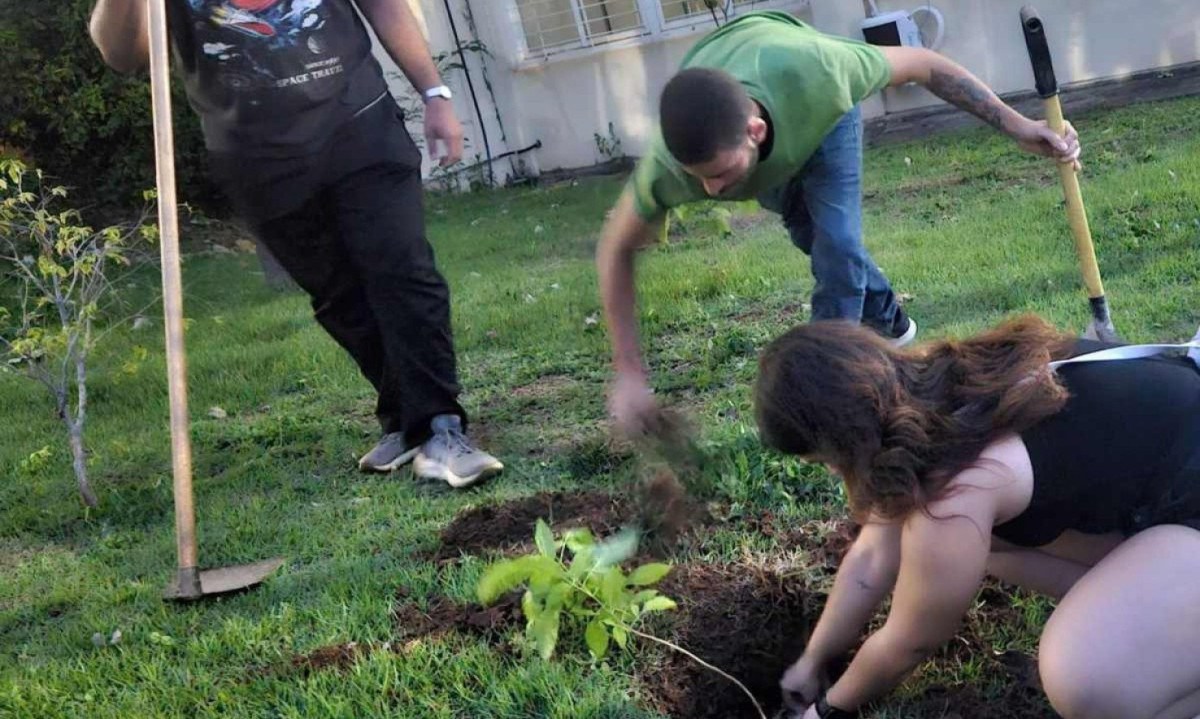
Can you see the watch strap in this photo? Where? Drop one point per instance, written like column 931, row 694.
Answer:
column 435, row 92
column 827, row 711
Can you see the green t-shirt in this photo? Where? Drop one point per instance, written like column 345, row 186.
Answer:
column 805, row 79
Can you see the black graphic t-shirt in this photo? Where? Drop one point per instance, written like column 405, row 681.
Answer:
column 274, row 78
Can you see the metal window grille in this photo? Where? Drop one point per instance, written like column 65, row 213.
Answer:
column 554, row 25
column 724, row 10
column 679, row 9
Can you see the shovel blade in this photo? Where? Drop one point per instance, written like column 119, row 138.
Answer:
column 1105, row 332
column 1101, row 326
column 225, row 580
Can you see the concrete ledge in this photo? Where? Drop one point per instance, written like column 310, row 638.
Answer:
column 615, row 166
column 1146, row 86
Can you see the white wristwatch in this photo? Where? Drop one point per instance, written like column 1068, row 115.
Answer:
column 439, row 91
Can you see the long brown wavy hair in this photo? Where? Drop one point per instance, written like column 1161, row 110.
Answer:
column 899, row 424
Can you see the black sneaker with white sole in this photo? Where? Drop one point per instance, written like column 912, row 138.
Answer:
column 904, row 329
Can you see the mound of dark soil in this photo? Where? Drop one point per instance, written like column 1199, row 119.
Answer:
column 751, row 623
column 506, row 526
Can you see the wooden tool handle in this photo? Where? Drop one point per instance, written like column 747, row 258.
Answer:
column 1076, row 215
column 172, row 280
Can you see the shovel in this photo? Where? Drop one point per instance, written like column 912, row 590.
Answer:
column 1101, row 325
column 190, row 583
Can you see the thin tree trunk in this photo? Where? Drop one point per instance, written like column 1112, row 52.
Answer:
column 79, row 461
column 75, row 424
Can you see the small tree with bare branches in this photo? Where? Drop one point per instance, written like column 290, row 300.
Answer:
column 63, row 275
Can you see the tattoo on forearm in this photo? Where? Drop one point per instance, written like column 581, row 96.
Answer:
column 969, row 94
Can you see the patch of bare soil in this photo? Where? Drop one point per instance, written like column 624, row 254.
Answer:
column 493, row 624
column 546, row 387
column 751, row 623
column 660, row 507
column 444, row 615
column 334, row 657
column 508, row 526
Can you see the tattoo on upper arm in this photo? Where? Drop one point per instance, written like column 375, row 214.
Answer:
column 969, row 94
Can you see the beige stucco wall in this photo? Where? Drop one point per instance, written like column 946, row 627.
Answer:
column 565, row 100
column 1089, row 39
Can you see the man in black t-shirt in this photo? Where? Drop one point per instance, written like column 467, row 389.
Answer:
column 313, row 153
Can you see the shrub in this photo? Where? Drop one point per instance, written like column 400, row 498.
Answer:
column 77, row 119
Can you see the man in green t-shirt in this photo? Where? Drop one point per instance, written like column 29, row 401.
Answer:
column 766, row 107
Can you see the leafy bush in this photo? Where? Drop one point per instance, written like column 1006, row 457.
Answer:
column 79, row 120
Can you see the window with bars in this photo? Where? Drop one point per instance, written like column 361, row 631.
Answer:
column 679, row 9
column 552, row 26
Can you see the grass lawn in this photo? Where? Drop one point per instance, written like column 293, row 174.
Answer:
column 965, row 226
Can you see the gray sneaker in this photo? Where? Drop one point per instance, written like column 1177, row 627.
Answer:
column 449, row 456
column 389, row 453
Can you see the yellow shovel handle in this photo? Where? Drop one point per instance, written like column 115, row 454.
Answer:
column 1075, row 212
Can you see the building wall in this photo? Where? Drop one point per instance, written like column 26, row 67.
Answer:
column 567, row 99
column 1089, row 39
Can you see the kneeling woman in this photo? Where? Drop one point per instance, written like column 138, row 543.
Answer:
column 966, row 458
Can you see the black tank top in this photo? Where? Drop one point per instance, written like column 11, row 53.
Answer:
column 1118, row 447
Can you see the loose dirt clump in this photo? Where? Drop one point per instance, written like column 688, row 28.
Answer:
column 508, row 526
column 334, row 657
column 444, row 615
column 665, row 511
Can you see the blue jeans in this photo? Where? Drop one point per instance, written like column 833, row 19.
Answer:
column 821, row 207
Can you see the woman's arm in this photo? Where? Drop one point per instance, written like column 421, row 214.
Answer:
column 944, row 551
column 865, row 576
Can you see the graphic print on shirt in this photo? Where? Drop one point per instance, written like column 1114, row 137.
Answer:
column 265, row 43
